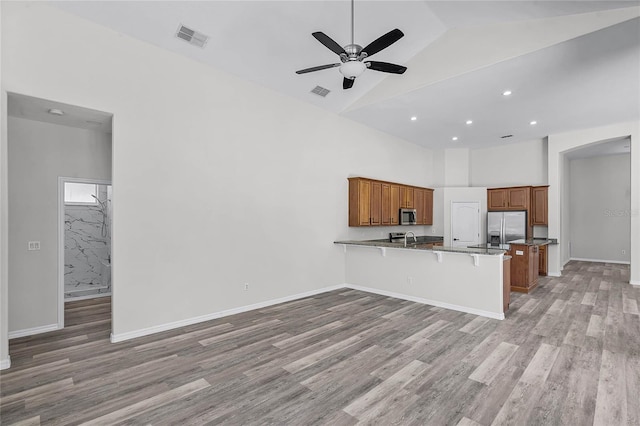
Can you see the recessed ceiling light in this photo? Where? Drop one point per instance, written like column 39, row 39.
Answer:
column 469, row 121
column 455, row 138
column 414, row 118
column 533, row 123
column 506, row 93
column 55, row 111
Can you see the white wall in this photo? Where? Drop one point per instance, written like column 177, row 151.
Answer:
column 4, row 227
column 510, row 165
column 464, row 195
column 559, row 224
column 437, row 168
column 456, row 167
column 454, row 283
column 217, row 182
column 600, row 204
column 39, row 153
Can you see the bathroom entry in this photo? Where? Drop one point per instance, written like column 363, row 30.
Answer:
column 86, row 241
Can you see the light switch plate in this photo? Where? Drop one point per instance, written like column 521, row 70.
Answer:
column 33, row 245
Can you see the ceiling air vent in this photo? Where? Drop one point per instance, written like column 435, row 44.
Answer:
column 191, row 36
column 320, row 91
column 506, row 136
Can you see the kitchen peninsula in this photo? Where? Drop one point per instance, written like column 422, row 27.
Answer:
column 462, row 279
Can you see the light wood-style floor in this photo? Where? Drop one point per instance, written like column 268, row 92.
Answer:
column 568, row 353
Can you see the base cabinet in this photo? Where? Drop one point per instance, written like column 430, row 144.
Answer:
column 524, row 267
column 506, row 283
column 542, row 261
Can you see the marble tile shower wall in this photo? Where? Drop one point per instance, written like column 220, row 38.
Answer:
column 87, row 251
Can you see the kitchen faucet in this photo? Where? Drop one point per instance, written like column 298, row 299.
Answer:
column 412, row 234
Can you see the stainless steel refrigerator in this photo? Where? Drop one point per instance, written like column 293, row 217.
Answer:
column 506, row 226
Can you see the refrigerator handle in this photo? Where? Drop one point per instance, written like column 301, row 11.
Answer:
column 503, row 229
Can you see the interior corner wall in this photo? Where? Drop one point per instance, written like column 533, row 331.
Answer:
column 238, row 184
column 4, row 226
column 39, row 153
column 600, row 206
column 515, row 164
column 456, row 167
column 559, row 224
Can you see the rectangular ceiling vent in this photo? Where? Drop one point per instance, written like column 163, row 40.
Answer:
column 320, row 91
column 191, row 36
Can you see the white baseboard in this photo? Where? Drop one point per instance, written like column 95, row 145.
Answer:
column 634, row 282
column 32, row 331
column 467, row 310
column 554, row 274
column 621, row 262
column 5, row 363
column 89, row 296
column 115, row 338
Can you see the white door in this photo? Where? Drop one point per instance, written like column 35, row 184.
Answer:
column 465, row 224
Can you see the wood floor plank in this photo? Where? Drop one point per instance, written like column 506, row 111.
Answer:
column 494, row 364
column 566, row 354
column 611, row 402
column 149, row 404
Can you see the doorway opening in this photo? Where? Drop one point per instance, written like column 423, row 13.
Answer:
column 49, row 144
column 84, row 241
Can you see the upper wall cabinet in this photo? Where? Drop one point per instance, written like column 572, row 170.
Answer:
column 539, row 205
column 378, row 203
column 359, row 202
column 407, row 196
column 515, row 198
column 423, row 203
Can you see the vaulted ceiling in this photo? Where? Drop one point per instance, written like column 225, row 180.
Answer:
column 568, row 64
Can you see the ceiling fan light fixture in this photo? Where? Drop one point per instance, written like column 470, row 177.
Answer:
column 352, row 69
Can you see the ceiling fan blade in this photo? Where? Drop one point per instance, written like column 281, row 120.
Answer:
column 347, row 83
column 318, row 68
column 386, row 67
column 328, row 42
column 383, row 42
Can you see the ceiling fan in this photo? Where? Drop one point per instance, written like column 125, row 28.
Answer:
column 352, row 56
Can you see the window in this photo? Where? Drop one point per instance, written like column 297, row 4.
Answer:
column 80, row 193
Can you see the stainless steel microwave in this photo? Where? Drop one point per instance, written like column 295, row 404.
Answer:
column 408, row 216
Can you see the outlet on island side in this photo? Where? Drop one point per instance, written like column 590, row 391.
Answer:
column 409, row 280
column 624, row 252
column 246, row 286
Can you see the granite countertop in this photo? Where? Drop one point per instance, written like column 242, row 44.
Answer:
column 535, row 241
column 424, row 243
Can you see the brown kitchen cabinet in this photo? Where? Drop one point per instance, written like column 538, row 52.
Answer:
column 359, row 202
column 423, row 203
column 542, row 260
column 506, row 283
column 514, row 198
column 524, row 267
column 497, row 198
column 539, row 205
column 406, row 197
column 378, row 203
column 390, row 204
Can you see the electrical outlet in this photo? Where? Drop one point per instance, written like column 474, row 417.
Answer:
column 624, row 252
column 33, row 245
column 409, row 280
column 246, row 286
column 433, row 230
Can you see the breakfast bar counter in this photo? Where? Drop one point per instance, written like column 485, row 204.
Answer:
column 457, row 278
